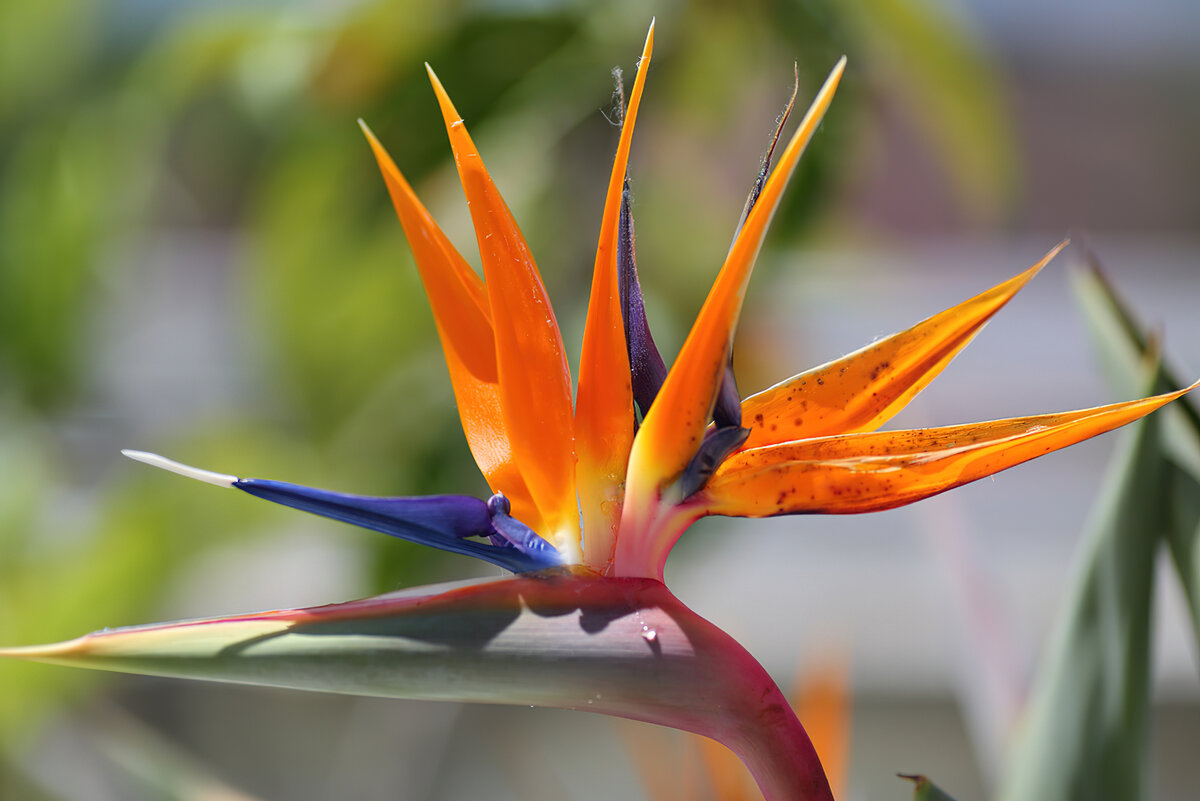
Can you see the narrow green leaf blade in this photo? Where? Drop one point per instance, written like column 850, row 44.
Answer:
column 1124, row 346
column 1084, row 735
column 1183, row 537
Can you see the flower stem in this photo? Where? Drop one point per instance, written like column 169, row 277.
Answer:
column 757, row 724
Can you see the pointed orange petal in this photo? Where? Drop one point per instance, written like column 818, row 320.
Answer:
column 460, row 310
column 865, row 389
column 672, row 430
column 535, row 387
column 883, row 470
column 604, row 404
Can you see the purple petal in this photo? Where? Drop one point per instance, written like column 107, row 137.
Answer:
column 439, row 521
column 727, row 413
column 718, row 443
column 645, row 363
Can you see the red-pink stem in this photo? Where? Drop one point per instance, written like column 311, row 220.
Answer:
column 742, row 707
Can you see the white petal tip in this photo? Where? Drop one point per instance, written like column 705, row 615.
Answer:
column 207, row 476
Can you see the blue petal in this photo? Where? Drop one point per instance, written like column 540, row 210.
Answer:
column 439, row 521
column 517, row 534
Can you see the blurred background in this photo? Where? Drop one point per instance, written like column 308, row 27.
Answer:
column 198, row 257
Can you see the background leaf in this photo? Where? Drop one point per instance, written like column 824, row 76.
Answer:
column 1123, row 344
column 1084, row 736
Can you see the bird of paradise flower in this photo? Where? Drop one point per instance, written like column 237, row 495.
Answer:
column 590, row 497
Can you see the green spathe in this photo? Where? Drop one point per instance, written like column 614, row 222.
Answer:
column 562, row 638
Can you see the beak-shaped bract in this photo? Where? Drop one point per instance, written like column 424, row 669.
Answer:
column 573, row 640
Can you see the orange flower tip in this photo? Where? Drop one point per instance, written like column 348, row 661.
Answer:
column 1054, row 251
column 449, row 112
column 386, row 165
column 1024, row 278
column 828, row 89
column 163, row 463
column 825, row 94
column 1168, row 397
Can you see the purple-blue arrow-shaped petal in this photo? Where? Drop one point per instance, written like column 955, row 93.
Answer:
column 439, row 521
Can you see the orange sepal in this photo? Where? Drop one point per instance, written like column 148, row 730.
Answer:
column 460, row 310
column 674, row 426
column 604, row 403
column 882, row 470
column 863, row 390
column 535, row 387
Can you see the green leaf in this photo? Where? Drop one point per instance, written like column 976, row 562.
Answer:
column 1085, row 732
column 1124, row 345
column 1183, row 537
column 925, row 790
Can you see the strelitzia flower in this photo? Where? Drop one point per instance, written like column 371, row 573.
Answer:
column 589, row 497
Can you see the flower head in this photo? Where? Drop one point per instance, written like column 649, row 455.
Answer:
column 611, row 481
column 589, row 496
